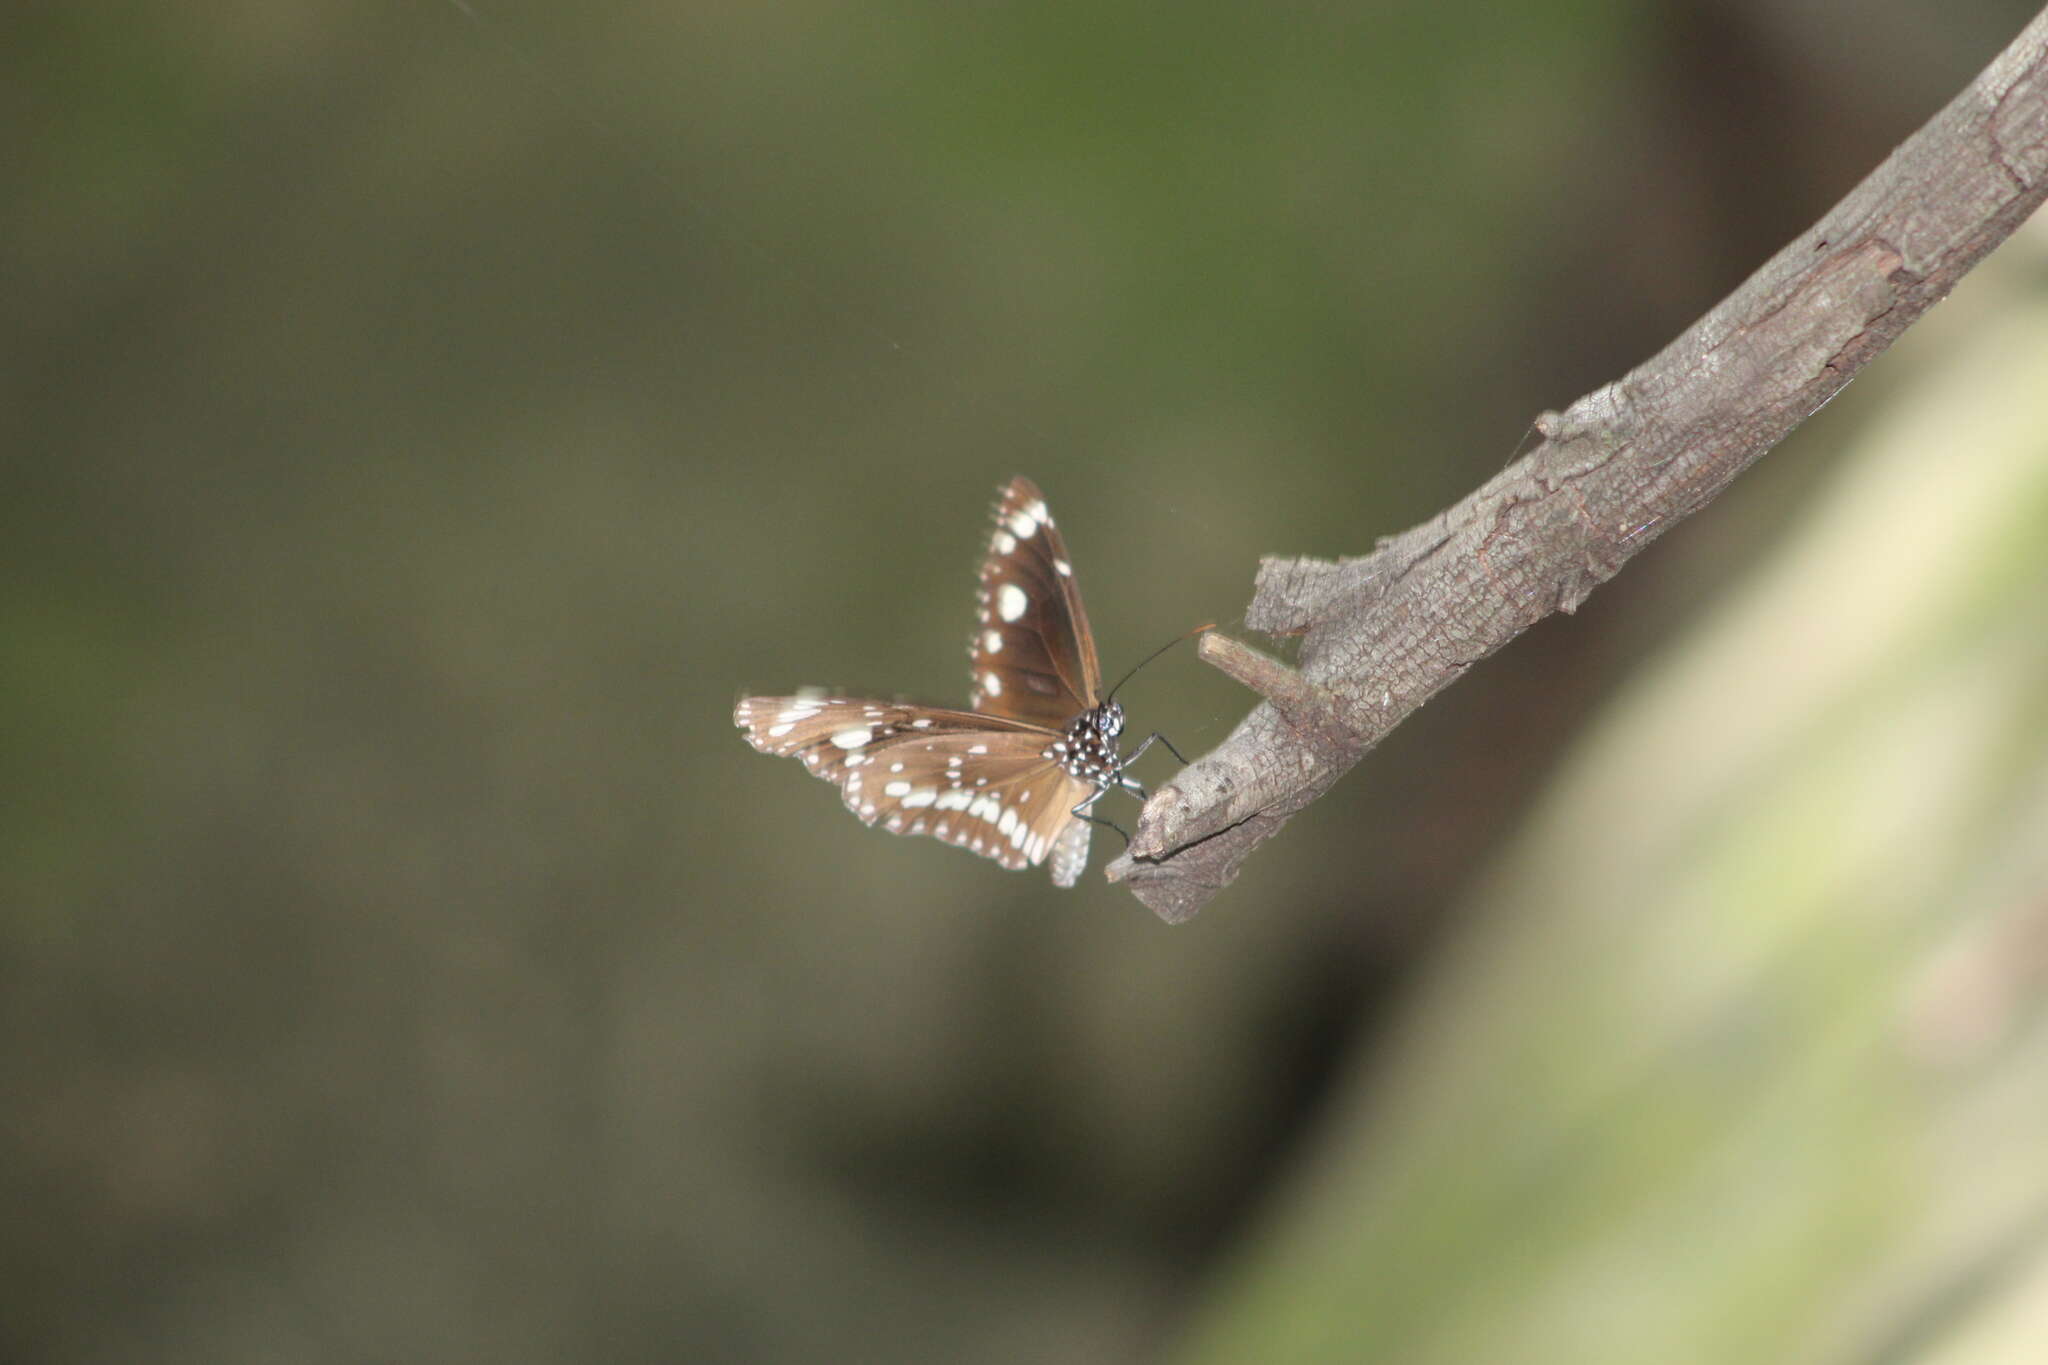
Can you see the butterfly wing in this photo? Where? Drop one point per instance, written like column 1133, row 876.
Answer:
column 1034, row 655
column 980, row 782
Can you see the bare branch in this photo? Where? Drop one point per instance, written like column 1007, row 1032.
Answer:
column 1387, row 631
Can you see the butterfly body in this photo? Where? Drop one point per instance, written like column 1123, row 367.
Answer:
column 1088, row 751
column 1013, row 778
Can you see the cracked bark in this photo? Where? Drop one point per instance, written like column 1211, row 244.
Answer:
column 1384, row 632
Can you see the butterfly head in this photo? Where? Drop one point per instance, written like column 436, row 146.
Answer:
column 1108, row 719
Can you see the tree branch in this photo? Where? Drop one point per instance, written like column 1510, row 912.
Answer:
column 1387, row 631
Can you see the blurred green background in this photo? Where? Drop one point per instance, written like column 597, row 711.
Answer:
column 421, row 429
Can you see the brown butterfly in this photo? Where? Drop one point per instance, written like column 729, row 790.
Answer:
column 1013, row 778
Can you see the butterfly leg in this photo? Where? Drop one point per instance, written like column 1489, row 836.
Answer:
column 1081, row 810
column 1133, row 755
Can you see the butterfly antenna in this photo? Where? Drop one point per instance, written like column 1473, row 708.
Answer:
column 1155, row 654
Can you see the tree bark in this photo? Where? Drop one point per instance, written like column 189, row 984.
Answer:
column 1385, row 632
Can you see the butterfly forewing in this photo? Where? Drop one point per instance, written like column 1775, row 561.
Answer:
column 1034, row 656
column 979, row 781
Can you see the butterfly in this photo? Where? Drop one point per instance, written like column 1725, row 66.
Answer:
column 1012, row 778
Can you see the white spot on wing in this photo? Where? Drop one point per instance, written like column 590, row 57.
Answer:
column 896, row 789
column 992, row 641
column 1024, row 523
column 991, row 684
column 1005, row 543
column 1011, row 601
column 1065, row 569
column 924, row 796
column 778, row 731
column 854, row 737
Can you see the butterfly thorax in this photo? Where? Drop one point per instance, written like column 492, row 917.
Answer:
column 1087, row 751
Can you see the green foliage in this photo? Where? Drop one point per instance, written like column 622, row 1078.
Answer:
column 1738, row 1055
